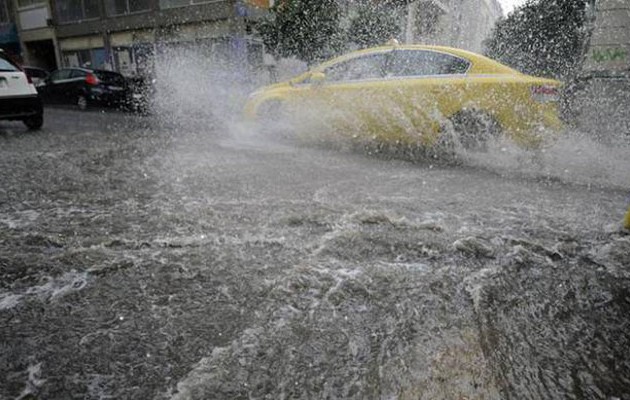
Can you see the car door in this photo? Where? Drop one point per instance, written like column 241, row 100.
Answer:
column 55, row 88
column 425, row 87
column 347, row 98
column 76, row 86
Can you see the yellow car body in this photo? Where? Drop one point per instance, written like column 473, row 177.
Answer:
column 407, row 94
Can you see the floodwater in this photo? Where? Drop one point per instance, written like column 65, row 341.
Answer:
column 195, row 261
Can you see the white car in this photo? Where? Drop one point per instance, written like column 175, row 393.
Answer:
column 19, row 100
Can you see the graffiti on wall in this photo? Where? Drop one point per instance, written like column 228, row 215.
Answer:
column 608, row 55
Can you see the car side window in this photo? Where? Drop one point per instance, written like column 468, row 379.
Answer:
column 60, row 74
column 364, row 67
column 424, row 62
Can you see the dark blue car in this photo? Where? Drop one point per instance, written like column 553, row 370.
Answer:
column 85, row 87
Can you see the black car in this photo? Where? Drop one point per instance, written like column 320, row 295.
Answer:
column 85, row 87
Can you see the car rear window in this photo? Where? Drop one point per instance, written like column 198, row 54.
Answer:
column 110, row 77
column 7, row 66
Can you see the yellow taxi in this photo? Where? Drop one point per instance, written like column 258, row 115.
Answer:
column 413, row 94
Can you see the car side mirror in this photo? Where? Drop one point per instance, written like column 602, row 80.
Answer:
column 318, row 78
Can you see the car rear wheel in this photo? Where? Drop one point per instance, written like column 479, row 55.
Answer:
column 34, row 123
column 473, row 130
column 82, row 103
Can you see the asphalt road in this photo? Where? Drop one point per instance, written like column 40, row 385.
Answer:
column 159, row 257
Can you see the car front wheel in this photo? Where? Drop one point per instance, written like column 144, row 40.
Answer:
column 271, row 112
column 272, row 116
column 34, row 123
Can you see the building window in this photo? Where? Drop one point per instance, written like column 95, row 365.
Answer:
column 180, row 3
column 29, row 3
column 119, row 7
column 4, row 12
column 90, row 58
column 77, row 10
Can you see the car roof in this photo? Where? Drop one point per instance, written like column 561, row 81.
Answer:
column 89, row 70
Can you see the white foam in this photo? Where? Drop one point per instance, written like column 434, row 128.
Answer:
column 574, row 157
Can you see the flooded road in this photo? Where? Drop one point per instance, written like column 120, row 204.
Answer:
column 192, row 262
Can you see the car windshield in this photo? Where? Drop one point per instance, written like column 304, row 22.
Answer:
column 36, row 72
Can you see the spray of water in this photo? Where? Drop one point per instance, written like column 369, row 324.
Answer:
column 572, row 157
column 203, row 92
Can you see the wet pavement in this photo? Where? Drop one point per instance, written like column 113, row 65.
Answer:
column 150, row 258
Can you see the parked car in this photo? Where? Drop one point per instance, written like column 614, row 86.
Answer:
column 19, row 100
column 85, row 87
column 413, row 94
column 37, row 75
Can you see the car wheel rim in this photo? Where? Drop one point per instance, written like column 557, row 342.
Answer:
column 475, row 131
column 82, row 103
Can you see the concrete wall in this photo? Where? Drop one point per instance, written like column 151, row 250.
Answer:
column 609, row 48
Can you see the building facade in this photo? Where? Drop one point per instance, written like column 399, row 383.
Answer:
column 125, row 35
column 36, row 33
column 608, row 50
column 9, row 40
column 457, row 23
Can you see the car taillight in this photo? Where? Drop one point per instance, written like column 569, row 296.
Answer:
column 28, row 77
column 545, row 93
column 91, row 79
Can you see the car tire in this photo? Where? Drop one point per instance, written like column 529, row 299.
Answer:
column 82, row 103
column 473, row 130
column 273, row 119
column 34, row 123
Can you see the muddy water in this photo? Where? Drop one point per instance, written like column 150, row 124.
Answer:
column 195, row 263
